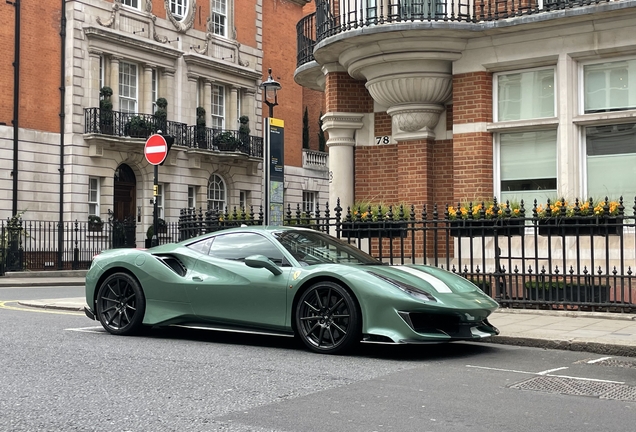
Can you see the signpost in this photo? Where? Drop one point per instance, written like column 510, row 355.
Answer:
column 156, row 150
column 274, row 171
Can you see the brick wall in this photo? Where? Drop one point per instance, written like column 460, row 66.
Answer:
column 472, row 152
column 345, row 94
column 376, row 170
column 382, row 124
column 40, row 46
column 315, row 103
column 244, row 19
column 279, row 24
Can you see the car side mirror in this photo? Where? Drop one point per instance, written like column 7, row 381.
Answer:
column 261, row 261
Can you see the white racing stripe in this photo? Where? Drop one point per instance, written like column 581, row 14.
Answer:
column 436, row 283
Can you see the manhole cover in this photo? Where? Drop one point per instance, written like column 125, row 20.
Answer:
column 622, row 392
column 566, row 386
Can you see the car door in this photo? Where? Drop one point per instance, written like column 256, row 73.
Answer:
column 224, row 289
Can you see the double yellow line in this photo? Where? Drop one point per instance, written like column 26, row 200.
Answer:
column 5, row 305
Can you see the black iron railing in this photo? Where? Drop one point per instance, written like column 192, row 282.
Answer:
column 533, row 259
column 121, row 124
column 333, row 17
column 306, row 39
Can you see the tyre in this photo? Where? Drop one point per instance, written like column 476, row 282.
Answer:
column 121, row 304
column 327, row 319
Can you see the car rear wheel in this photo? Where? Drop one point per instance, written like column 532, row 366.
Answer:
column 121, row 304
column 327, row 318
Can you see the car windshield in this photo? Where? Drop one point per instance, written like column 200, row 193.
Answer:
column 312, row 247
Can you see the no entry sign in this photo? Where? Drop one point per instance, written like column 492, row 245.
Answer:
column 156, row 149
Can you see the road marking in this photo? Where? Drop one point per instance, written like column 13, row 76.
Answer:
column 598, row 360
column 5, row 305
column 550, row 370
column 545, row 374
column 88, row 329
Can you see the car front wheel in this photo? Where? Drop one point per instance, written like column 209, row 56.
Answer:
column 121, row 304
column 327, row 318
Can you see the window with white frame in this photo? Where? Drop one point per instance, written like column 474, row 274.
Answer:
column 192, row 196
column 131, row 3
column 101, row 71
column 128, row 84
column 607, row 86
column 525, row 95
column 160, row 200
column 219, row 17
column 611, row 162
column 179, row 8
column 216, row 193
column 93, row 196
column 244, row 199
column 528, row 166
column 218, row 106
column 309, row 202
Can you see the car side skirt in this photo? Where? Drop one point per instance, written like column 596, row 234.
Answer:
column 199, row 326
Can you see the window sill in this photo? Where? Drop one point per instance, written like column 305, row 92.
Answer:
column 604, row 118
column 523, row 125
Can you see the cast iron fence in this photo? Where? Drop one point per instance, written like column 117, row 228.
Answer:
column 531, row 259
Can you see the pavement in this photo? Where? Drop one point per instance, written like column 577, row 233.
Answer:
column 596, row 332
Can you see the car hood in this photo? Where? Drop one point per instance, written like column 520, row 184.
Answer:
column 435, row 281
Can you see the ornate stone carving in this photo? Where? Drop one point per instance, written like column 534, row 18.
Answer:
column 111, row 20
column 421, row 88
column 148, row 6
column 413, row 117
column 204, row 50
column 155, row 36
column 187, row 22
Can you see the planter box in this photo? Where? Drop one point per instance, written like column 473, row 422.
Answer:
column 599, row 226
column 383, row 229
column 569, row 293
column 95, row 227
column 479, row 228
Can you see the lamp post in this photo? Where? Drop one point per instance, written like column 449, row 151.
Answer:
column 271, row 87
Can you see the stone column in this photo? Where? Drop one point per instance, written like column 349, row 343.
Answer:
column 114, row 81
column 93, row 77
column 207, row 102
column 248, row 104
column 233, row 123
column 146, row 102
column 190, row 112
column 341, row 128
column 168, row 84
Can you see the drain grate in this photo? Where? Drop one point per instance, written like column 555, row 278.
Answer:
column 578, row 387
column 617, row 363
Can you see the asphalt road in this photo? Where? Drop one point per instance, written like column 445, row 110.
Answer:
column 61, row 372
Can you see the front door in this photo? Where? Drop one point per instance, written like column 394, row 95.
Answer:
column 125, row 193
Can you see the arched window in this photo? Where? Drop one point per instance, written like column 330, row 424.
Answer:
column 179, row 9
column 216, row 193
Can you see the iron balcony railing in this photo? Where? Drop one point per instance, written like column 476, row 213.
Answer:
column 115, row 123
column 333, row 17
column 535, row 259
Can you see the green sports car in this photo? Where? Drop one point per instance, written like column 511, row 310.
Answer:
column 284, row 281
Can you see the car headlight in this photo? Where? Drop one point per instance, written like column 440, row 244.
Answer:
column 407, row 288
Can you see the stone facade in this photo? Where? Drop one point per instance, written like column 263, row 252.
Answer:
column 184, row 59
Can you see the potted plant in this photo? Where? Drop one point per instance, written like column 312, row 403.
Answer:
column 105, row 111
column 244, row 133
column 137, row 127
column 486, row 218
column 95, row 223
column 559, row 217
column 367, row 220
column 161, row 116
column 201, row 135
column 226, row 141
column 162, row 228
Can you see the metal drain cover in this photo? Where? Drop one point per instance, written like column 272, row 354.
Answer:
column 578, row 387
column 617, row 363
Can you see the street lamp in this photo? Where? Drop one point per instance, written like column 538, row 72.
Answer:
column 270, row 87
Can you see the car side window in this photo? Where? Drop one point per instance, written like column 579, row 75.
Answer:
column 202, row 246
column 238, row 246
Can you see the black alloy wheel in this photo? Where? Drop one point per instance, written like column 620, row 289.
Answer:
column 121, row 304
column 327, row 319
